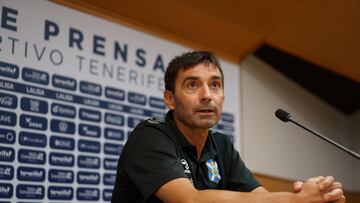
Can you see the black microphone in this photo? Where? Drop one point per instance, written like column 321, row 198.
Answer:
column 285, row 116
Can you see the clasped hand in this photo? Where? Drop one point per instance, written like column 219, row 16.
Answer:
column 330, row 189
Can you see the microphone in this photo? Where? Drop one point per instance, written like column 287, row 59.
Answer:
column 285, row 117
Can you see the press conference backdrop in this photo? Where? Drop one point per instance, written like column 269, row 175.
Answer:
column 72, row 87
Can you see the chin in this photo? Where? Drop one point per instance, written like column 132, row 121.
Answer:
column 207, row 124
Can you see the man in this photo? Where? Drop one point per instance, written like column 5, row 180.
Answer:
column 180, row 159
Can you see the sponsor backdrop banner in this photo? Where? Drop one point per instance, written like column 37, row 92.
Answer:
column 72, row 87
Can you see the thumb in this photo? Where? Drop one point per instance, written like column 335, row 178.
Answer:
column 297, row 186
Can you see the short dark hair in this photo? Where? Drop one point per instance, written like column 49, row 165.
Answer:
column 186, row 61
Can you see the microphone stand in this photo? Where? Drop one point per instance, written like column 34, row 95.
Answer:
column 352, row 153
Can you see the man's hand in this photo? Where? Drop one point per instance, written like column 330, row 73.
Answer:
column 331, row 189
column 310, row 192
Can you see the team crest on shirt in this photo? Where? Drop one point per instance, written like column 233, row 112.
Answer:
column 213, row 171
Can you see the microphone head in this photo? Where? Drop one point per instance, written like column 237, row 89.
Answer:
column 282, row 115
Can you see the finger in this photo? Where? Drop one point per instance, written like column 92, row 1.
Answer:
column 334, row 195
column 341, row 200
column 317, row 179
column 297, row 186
column 335, row 185
column 326, row 183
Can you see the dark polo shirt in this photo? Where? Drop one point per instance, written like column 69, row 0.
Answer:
column 157, row 152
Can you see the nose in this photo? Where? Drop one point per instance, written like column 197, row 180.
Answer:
column 205, row 93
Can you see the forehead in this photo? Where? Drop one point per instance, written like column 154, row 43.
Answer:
column 200, row 71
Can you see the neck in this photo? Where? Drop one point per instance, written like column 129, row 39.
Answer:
column 195, row 136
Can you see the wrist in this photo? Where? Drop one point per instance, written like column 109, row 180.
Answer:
column 295, row 197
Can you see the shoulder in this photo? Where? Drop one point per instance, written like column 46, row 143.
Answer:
column 149, row 129
column 150, row 133
column 149, row 125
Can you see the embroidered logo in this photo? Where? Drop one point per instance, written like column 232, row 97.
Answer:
column 213, row 171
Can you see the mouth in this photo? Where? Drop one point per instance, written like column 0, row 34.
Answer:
column 206, row 111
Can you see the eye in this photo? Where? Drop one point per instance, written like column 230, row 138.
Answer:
column 192, row 84
column 216, row 85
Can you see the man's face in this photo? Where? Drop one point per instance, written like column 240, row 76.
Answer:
column 198, row 98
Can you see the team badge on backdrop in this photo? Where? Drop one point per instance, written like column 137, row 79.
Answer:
column 213, row 171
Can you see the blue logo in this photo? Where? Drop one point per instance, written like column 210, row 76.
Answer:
column 9, row 70
column 227, row 117
column 8, row 101
column 213, row 171
column 114, row 93
column 34, row 105
column 89, row 146
column 7, row 154
column 57, row 142
column 89, row 194
column 60, row 193
column 61, row 159
column 89, row 130
column 88, row 178
column 31, row 174
column 133, row 122
column 35, row 76
column 224, row 127
column 114, row 119
column 107, row 194
column 7, row 118
column 31, row 156
column 30, row 191
column 114, row 149
column 156, row 103
column 109, row 179
column 88, row 162
column 33, row 122
column 6, row 172
column 63, row 110
column 114, row 134
column 137, row 98
column 61, row 176
column 32, row 139
column 6, row 190
column 7, row 136
column 63, row 82
column 89, row 115
column 110, row 164
column 61, row 126
column 90, row 88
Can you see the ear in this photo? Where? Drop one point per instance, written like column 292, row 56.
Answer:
column 169, row 99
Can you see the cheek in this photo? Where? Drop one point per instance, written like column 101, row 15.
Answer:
column 220, row 100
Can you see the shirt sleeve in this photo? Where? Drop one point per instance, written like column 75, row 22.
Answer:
column 151, row 160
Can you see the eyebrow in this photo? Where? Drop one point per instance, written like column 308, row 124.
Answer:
column 214, row 77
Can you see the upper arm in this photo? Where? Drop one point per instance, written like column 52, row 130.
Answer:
column 260, row 189
column 177, row 190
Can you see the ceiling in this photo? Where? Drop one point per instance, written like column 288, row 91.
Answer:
column 324, row 34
